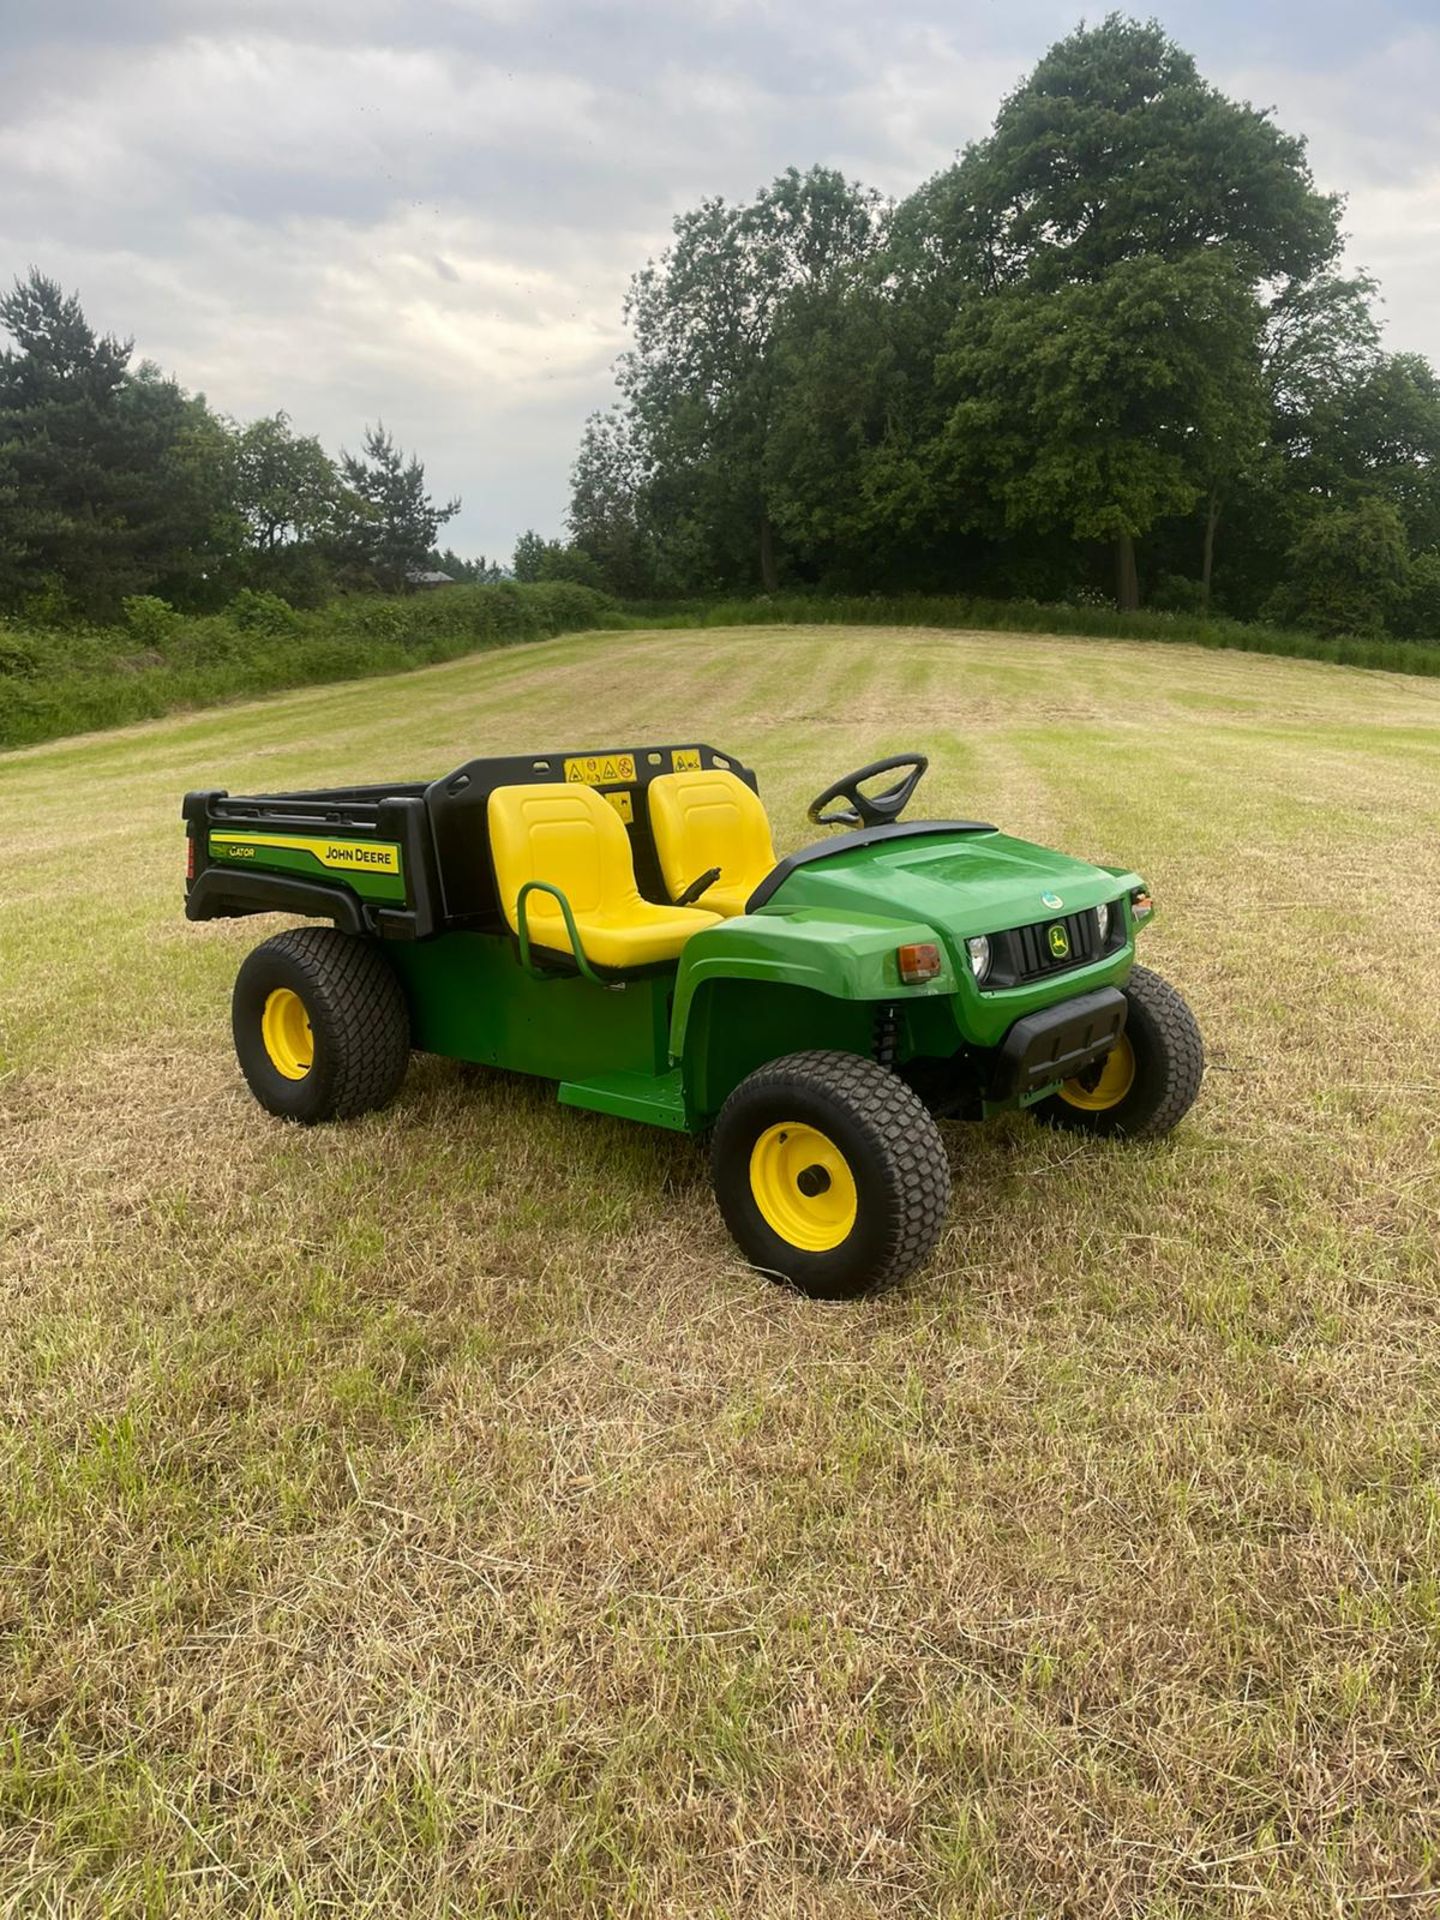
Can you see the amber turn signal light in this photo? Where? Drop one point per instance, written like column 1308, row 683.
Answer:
column 919, row 963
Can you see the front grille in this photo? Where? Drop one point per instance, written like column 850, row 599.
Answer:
column 1029, row 954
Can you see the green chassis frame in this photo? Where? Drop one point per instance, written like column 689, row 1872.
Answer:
column 812, row 964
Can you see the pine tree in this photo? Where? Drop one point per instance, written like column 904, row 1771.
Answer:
column 388, row 520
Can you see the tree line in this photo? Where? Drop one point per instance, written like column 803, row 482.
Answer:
column 116, row 482
column 1111, row 352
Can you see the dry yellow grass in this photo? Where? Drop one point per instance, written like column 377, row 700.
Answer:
column 433, row 1517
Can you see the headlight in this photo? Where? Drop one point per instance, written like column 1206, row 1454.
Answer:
column 978, row 948
column 1102, row 920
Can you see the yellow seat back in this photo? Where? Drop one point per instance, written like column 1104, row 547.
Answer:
column 570, row 838
column 711, row 819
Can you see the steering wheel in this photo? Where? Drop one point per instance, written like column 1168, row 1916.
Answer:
column 865, row 809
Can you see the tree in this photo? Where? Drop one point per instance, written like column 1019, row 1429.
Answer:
column 1381, row 435
column 387, row 520
column 856, row 401
column 1417, row 616
column 1115, row 148
column 174, row 491
column 111, row 480
column 609, row 496
column 286, row 487
column 1116, row 178
column 537, row 559
column 1103, row 407
column 529, row 557
column 1348, row 570
column 285, row 496
column 480, row 572
column 1321, row 340
column 700, row 382
column 61, row 437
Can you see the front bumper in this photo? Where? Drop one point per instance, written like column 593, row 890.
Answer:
column 1057, row 1043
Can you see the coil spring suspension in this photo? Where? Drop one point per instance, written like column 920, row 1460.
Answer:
column 887, row 1035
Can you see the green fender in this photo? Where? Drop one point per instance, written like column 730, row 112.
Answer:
column 765, row 984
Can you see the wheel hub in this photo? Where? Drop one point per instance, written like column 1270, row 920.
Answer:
column 803, row 1187
column 285, row 1030
column 1105, row 1084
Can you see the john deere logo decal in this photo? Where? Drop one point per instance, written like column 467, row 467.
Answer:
column 1051, row 900
column 1059, row 943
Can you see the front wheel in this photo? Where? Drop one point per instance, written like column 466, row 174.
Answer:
column 1147, row 1083
column 830, row 1174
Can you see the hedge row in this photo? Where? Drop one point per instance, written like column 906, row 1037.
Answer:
column 62, row 681
column 1033, row 616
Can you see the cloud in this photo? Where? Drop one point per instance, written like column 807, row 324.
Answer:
column 1373, row 126
column 356, row 209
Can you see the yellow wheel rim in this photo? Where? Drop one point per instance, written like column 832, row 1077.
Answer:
column 1117, row 1076
column 803, row 1186
column 285, row 1029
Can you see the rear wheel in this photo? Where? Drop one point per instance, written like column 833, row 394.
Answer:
column 321, row 1027
column 1148, row 1082
column 830, row 1174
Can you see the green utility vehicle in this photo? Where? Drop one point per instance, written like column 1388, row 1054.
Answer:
column 619, row 922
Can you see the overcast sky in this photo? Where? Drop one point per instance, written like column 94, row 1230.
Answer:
column 428, row 213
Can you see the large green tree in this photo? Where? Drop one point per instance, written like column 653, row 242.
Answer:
column 286, row 494
column 701, row 382
column 111, row 479
column 1115, row 147
column 1104, row 252
column 1379, row 435
column 1348, row 572
column 62, row 444
column 1102, row 407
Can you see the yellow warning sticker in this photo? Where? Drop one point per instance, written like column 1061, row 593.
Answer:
column 622, row 804
column 349, row 856
column 600, row 769
column 686, row 760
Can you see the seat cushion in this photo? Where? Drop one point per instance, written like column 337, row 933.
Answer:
column 705, row 819
column 726, row 900
column 636, row 940
column 571, row 838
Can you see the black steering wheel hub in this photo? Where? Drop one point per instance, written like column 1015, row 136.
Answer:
column 863, row 809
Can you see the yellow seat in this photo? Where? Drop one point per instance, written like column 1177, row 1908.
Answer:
column 711, row 819
column 572, row 839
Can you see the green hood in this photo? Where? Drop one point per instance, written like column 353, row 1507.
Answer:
column 962, row 883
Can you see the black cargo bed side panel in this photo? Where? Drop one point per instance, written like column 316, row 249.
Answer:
column 219, row 890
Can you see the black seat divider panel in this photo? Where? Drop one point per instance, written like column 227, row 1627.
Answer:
column 457, row 804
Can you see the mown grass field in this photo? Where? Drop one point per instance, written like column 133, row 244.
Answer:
column 433, row 1516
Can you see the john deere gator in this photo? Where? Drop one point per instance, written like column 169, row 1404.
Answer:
column 619, row 922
